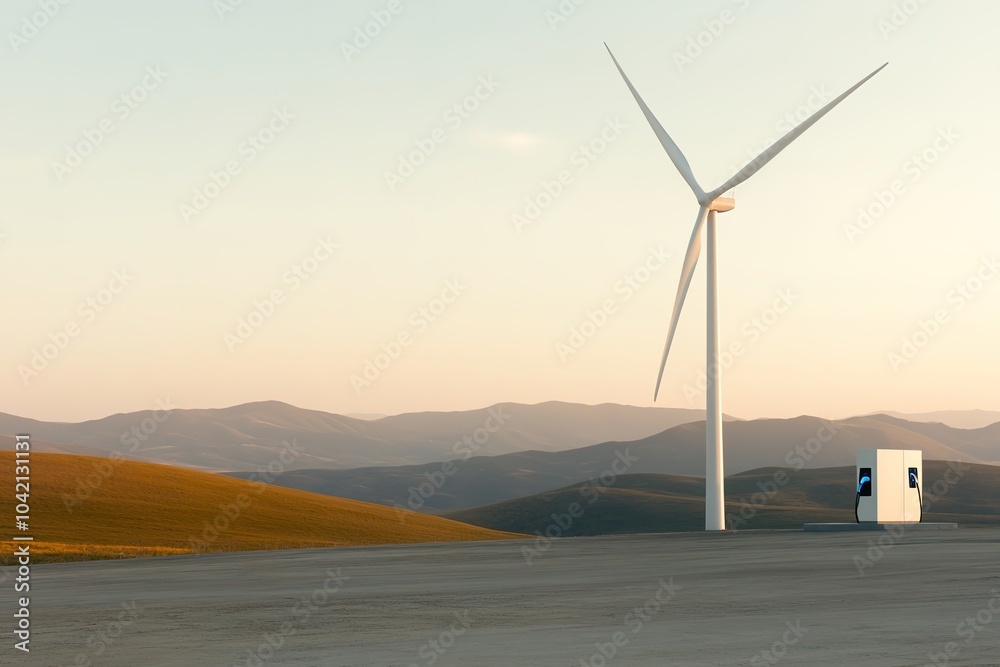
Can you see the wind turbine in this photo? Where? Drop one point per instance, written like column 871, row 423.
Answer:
column 711, row 203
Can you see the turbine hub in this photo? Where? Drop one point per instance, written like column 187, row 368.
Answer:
column 722, row 205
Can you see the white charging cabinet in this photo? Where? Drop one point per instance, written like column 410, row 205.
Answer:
column 891, row 495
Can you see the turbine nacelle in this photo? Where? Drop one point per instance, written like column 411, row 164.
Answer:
column 722, row 205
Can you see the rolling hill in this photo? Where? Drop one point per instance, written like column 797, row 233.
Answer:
column 247, row 436
column 677, row 451
column 671, row 503
column 84, row 508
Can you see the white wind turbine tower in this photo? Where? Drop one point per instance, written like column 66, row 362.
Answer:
column 709, row 204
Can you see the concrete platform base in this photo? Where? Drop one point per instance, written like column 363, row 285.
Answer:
column 855, row 527
column 742, row 598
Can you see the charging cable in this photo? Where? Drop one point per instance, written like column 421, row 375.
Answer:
column 920, row 500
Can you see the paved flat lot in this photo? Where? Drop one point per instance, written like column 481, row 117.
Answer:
column 726, row 599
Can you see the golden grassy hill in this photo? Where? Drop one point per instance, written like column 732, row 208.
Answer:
column 144, row 509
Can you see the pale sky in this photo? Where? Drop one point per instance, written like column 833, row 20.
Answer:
column 308, row 215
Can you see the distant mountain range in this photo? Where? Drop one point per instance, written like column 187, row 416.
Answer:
column 252, row 435
column 247, row 437
column 956, row 418
column 669, row 503
column 803, row 442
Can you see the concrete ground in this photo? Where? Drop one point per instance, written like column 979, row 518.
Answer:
column 749, row 598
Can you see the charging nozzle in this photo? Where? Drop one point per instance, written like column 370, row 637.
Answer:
column 864, row 489
column 861, row 484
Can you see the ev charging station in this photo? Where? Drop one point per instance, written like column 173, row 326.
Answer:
column 889, row 486
column 889, row 492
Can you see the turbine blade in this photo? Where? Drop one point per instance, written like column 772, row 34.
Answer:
column 673, row 150
column 687, row 272
column 758, row 162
